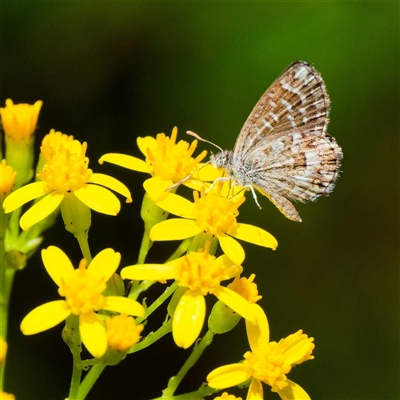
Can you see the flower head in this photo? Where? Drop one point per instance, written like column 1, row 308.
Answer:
column 122, row 332
column 19, row 120
column 200, row 273
column 267, row 362
column 246, row 288
column 165, row 158
column 82, row 289
column 214, row 214
column 7, row 179
column 66, row 172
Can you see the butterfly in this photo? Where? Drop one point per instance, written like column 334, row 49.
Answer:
column 283, row 150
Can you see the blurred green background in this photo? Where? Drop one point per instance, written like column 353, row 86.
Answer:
column 108, row 72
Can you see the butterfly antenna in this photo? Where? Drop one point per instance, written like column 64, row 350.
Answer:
column 195, row 135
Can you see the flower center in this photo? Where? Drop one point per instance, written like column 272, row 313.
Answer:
column 268, row 365
column 171, row 160
column 122, row 332
column 66, row 168
column 215, row 213
column 83, row 290
column 200, row 271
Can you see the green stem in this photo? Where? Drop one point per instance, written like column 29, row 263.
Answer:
column 90, row 380
column 152, row 337
column 76, row 378
column 158, row 302
column 5, row 287
column 144, row 247
column 198, row 350
column 71, row 336
column 180, row 250
column 84, row 245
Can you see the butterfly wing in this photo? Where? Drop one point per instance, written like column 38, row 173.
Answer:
column 305, row 166
column 296, row 99
column 283, row 149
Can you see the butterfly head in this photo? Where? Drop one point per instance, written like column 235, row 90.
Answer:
column 221, row 160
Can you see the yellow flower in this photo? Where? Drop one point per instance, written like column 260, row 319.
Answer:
column 122, row 332
column 7, row 179
column 165, row 159
column 267, row 362
column 66, row 172
column 19, row 120
column 213, row 214
column 246, row 288
column 201, row 273
column 82, row 289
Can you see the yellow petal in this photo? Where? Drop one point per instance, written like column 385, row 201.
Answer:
column 156, row 188
column 41, row 210
column 93, row 334
column 174, row 229
column 227, row 376
column 297, row 351
column 123, row 305
column 99, row 199
column 236, row 302
column 293, row 392
column 258, row 333
column 145, row 143
column 206, row 172
column 232, row 248
column 231, row 269
column 170, row 202
column 153, row 272
column 255, row 390
column 125, row 161
column 24, row 195
column 45, row 317
column 111, row 183
column 188, row 318
column 57, row 264
column 255, row 235
column 105, row 263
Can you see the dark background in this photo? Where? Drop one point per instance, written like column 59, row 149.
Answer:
column 109, row 72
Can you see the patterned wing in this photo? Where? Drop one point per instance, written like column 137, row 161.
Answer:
column 299, row 165
column 297, row 99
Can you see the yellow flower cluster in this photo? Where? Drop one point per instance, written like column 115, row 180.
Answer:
column 93, row 301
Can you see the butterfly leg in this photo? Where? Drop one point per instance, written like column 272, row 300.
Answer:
column 222, row 179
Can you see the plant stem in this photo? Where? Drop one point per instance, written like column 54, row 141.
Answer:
column 89, row 380
column 198, row 350
column 158, row 302
column 5, row 287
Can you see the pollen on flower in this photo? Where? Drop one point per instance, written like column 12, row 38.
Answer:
column 66, row 168
column 7, row 178
column 246, row 288
column 215, row 213
column 170, row 160
column 200, row 271
column 19, row 120
column 268, row 364
column 83, row 290
column 122, row 332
